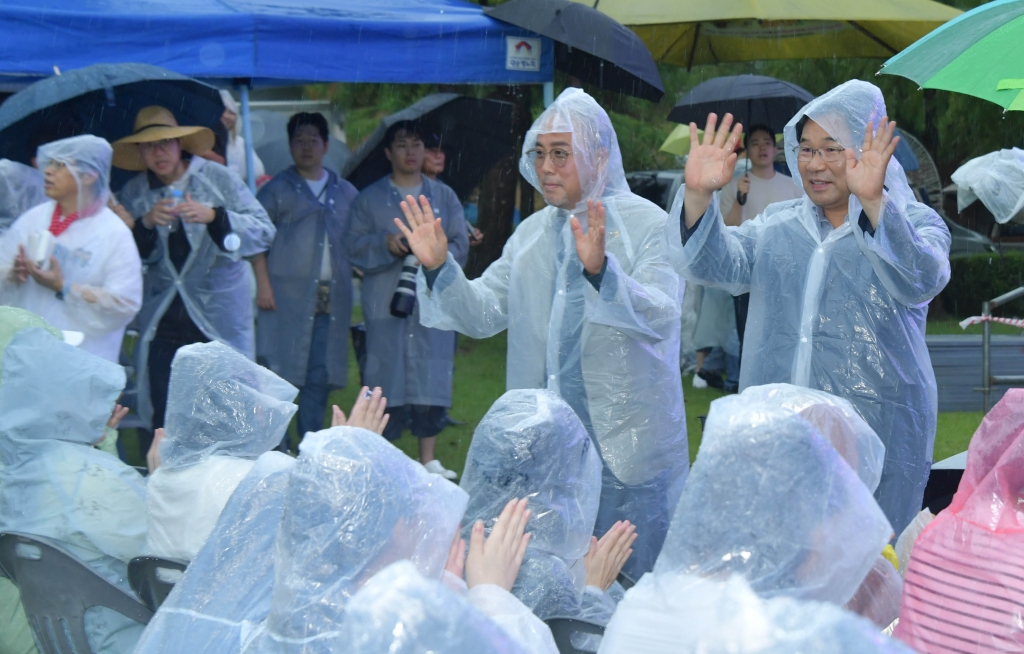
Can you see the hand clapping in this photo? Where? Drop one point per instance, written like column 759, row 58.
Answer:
column 496, row 559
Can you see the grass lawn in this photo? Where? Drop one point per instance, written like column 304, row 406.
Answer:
column 952, row 326
column 480, row 380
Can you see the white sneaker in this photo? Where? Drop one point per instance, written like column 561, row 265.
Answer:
column 698, row 382
column 435, row 467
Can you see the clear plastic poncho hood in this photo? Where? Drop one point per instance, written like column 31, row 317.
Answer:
column 82, row 155
column 844, row 112
column 835, row 419
column 595, row 147
column 997, row 179
column 354, row 505
column 21, row 188
column 769, row 499
column 400, row 612
column 221, row 403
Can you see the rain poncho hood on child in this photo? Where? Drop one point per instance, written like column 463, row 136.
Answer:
column 842, row 312
column 997, row 179
column 354, row 505
column 771, row 500
column 965, row 579
column 612, row 352
column 530, row 444
column 85, row 157
column 21, row 188
column 219, row 403
column 835, row 419
column 399, row 611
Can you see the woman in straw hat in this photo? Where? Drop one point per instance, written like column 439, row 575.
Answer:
column 195, row 222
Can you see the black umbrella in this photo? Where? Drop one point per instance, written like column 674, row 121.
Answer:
column 588, row 45
column 752, row 99
column 101, row 100
column 270, row 142
column 475, row 135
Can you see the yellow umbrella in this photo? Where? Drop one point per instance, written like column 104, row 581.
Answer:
column 678, row 142
column 694, row 32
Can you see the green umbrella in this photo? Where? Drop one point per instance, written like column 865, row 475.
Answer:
column 980, row 53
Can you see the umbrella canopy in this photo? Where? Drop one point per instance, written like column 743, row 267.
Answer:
column 102, row 100
column 588, row 45
column 678, row 141
column 475, row 135
column 978, row 53
column 752, row 99
column 270, row 141
column 694, row 32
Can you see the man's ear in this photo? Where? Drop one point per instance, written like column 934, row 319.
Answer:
column 387, row 154
column 88, row 178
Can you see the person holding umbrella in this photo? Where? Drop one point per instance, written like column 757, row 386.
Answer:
column 591, row 304
column 839, row 280
column 433, row 165
column 195, row 221
column 412, row 362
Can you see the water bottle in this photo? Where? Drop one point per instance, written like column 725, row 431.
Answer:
column 404, row 299
column 177, row 197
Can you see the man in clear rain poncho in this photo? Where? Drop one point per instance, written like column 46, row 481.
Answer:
column 223, row 411
column 90, row 279
column 531, row 444
column 53, row 483
column 839, row 280
column 591, row 304
column 21, row 188
column 195, row 221
column 774, row 532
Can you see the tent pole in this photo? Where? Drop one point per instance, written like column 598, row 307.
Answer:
column 549, row 94
column 250, row 166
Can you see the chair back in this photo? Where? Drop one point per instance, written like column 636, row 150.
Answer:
column 153, row 578
column 562, row 629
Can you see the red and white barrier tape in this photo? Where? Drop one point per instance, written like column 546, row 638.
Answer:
column 1014, row 322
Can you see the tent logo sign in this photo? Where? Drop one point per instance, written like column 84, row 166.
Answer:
column 522, row 54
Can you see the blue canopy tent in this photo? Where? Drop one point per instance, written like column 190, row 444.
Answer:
column 274, row 42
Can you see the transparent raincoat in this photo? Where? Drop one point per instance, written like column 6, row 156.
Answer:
column 965, row 581
column 96, row 254
column 224, row 593
column 613, row 353
column 693, row 615
column 531, row 444
column 214, row 284
column 52, row 482
column 771, row 500
column 21, row 188
column 354, row 505
column 400, row 612
column 846, row 314
column 410, row 361
column 223, row 411
column 997, row 179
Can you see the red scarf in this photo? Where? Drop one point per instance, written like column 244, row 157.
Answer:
column 59, row 224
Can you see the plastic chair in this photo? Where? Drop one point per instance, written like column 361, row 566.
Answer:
column 153, row 578
column 625, row 581
column 563, row 628
column 57, row 588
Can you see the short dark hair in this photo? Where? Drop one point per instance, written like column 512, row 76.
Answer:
column 410, row 127
column 800, row 124
column 759, row 127
column 306, row 118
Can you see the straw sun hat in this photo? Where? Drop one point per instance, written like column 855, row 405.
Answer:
column 156, row 124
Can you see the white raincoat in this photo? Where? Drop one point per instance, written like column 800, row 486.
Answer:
column 845, row 314
column 21, row 188
column 214, row 284
column 96, row 254
column 612, row 354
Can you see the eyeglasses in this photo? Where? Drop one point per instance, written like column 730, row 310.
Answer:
column 828, row 155
column 558, row 156
column 162, row 145
column 56, row 165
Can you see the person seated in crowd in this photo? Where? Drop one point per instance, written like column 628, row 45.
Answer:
column 21, row 188
column 223, row 412
column 53, row 483
column 89, row 279
column 195, row 221
column 963, row 583
column 304, row 283
column 591, row 304
column 530, row 444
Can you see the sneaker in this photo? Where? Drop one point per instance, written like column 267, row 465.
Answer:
column 714, row 380
column 698, row 382
column 435, row 467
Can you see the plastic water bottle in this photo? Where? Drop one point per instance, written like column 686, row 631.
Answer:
column 404, row 299
column 176, row 197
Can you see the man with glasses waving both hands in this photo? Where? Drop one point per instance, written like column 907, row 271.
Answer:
column 591, row 304
column 839, row 279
